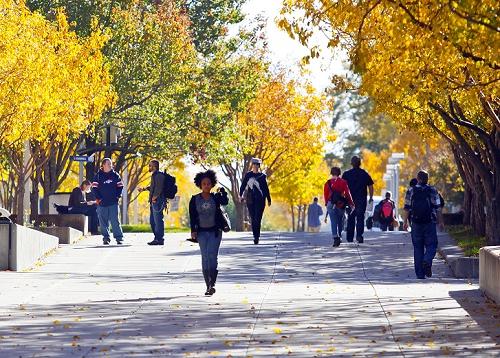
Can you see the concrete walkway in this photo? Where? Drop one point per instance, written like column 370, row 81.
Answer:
column 292, row 295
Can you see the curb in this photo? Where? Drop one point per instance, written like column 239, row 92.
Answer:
column 460, row 265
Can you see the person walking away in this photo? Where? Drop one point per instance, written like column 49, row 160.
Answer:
column 358, row 181
column 157, row 202
column 254, row 191
column 107, row 187
column 314, row 211
column 205, row 226
column 423, row 202
column 387, row 213
column 337, row 196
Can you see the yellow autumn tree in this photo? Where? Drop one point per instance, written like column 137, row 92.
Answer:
column 52, row 85
column 283, row 125
column 433, row 67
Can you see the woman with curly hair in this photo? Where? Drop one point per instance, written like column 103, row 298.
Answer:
column 205, row 226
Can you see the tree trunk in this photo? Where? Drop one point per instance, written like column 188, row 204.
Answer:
column 34, row 197
column 20, row 199
column 239, row 225
column 292, row 207
column 304, row 210
column 467, row 207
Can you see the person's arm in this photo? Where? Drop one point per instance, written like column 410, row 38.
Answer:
column 119, row 186
column 370, row 183
column 326, row 193
column 95, row 189
column 193, row 215
column 267, row 193
column 347, row 194
column 320, row 210
column 244, row 184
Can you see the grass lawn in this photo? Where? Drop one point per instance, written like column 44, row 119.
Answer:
column 466, row 239
column 147, row 228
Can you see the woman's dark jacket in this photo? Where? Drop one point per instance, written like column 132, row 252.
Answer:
column 76, row 199
column 220, row 199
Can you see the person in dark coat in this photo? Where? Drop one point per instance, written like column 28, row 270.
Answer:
column 80, row 202
column 206, row 227
column 255, row 191
column 107, row 187
column 157, row 202
column 358, row 181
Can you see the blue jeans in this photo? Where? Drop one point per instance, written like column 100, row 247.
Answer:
column 337, row 218
column 106, row 215
column 209, row 246
column 424, row 238
column 156, row 219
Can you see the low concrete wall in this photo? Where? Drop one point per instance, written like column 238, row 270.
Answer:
column 461, row 266
column 66, row 235
column 489, row 272
column 76, row 221
column 27, row 246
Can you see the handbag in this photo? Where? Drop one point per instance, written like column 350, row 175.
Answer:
column 223, row 219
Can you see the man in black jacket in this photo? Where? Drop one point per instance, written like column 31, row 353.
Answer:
column 358, row 181
column 255, row 191
column 157, row 201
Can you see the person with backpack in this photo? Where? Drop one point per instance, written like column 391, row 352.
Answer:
column 423, row 204
column 254, row 191
column 386, row 213
column 207, row 224
column 157, row 202
column 337, row 196
column 358, row 181
column 107, row 187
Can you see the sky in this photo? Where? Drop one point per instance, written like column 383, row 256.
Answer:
column 286, row 51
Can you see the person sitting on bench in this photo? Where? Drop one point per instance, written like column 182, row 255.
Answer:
column 80, row 202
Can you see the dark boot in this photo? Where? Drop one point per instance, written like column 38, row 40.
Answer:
column 206, row 276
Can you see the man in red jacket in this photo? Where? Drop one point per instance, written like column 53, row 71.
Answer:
column 337, row 197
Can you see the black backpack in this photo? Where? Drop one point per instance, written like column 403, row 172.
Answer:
column 336, row 197
column 421, row 206
column 169, row 186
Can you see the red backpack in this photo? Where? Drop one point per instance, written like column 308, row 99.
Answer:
column 387, row 209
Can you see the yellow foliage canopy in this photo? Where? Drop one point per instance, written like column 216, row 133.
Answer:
column 52, row 84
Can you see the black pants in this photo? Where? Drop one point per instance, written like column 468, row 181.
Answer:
column 256, row 210
column 356, row 220
column 89, row 211
column 386, row 224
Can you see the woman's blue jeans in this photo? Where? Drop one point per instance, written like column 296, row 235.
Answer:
column 209, row 242
column 337, row 218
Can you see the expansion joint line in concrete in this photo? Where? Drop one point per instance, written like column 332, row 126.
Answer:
column 139, row 307
column 379, row 302
column 257, row 316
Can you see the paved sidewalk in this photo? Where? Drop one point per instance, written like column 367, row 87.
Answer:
column 292, row 295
